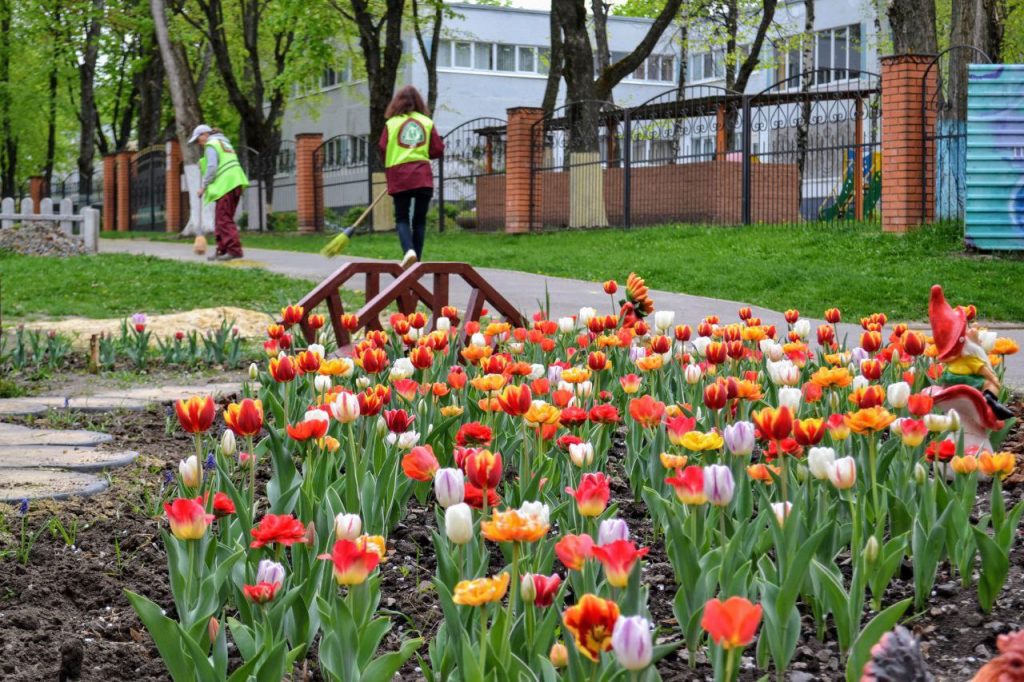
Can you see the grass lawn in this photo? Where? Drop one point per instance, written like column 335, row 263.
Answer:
column 854, row 266
column 115, row 285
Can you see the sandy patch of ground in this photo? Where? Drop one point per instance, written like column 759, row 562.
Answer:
column 250, row 323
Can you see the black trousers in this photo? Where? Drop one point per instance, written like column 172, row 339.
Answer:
column 412, row 233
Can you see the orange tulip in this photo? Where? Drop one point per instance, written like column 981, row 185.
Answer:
column 825, row 377
column 515, row 400
column 420, row 464
column 646, row 411
column 421, row 357
column 574, row 550
column 732, row 623
column 967, row 464
column 920, row 404
column 670, row 461
column 762, row 472
column 196, row 414
column 1005, row 346
column 869, row 420
column 307, row 362
column 868, row 396
column 511, row 526
column 481, row 591
column 292, row 315
column 774, row 423
column 245, row 418
column 1000, row 464
column 591, row 622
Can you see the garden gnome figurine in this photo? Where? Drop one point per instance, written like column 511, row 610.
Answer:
column 968, row 372
column 959, row 348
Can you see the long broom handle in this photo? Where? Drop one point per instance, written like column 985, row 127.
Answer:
column 367, row 211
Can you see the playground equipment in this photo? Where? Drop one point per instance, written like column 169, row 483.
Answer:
column 843, row 204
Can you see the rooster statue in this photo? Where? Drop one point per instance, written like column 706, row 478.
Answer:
column 897, row 658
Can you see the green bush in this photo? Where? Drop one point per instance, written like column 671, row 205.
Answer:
column 283, row 222
column 351, row 215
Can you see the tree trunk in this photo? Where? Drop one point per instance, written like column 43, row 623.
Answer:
column 603, row 54
column 149, row 89
column 806, row 80
column 913, row 26
column 184, row 100
column 51, row 114
column 746, row 68
column 8, row 142
column 978, row 24
column 555, row 67
column 429, row 55
column 87, row 99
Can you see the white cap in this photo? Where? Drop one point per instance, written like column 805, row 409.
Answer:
column 200, row 129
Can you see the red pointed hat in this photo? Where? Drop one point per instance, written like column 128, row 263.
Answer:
column 949, row 325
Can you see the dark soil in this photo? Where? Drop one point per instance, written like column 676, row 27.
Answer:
column 64, row 615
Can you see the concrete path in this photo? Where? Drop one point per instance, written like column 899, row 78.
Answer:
column 129, row 399
column 524, row 290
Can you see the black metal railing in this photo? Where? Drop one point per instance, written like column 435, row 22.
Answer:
column 341, row 175
column 148, row 191
column 470, row 175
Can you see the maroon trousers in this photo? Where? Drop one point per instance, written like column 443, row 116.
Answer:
column 225, row 230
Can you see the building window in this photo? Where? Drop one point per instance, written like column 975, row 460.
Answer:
column 527, row 59
column 480, row 56
column 836, row 58
column 444, row 53
column 329, row 78
column 484, row 56
column 464, row 55
column 543, row 60
column 656, row 68
column 706, row 66
column 506, row 58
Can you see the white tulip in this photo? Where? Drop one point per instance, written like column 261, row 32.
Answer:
column 402, row 369
column 937, row 423
column 254, row 371
column 537, row 370
column 954, row 420
column 404, row 441
column 191, row 471
column 581, row 453
column 790, row 397
column 692, row 373
column 344, row 408
column 227, row 442
column 700, row 344
column 347, row 526
column 781, row 510
column 802, row 328
column 478, row 339
column 566, row 324
column 458, row 523
column 321, row 383
column 987, row 340
column 898, row 394
column 537, row 510
column 664, row 320
column 860, row 381
column 444, row 324
column 317, row 350
column 819, row 460
column 586, row 315
column 362, row 382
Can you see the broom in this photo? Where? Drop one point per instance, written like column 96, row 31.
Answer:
column 338, row 245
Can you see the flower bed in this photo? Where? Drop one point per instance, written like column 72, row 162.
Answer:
column 592, row 498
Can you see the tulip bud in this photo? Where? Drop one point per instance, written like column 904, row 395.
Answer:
column 871, row 549
column 527, row 589
column 739, row 438
column 362, row 382
column 819, row 460
column 227, row 442
column 718, row 484
column 458, row 523
column 692, row 374
column 191, row 471
column 937, row 423
column 449, row 487
column 213, row 628
column 802, row 474
column 781, row 511
column 254, row 372
column 954, row 420
column 790, row 397
column 611, row 530
column 269, row 572
column 898, row 394
column 559, row 655
column 581, row 454
column 631, row 642
column 842, row 473
column 347, row 527
column 920, row 474
column 322, row 383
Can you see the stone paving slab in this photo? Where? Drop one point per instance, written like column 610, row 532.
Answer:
column 57, row 484
column 39, row 405
column 16, row 434
column 71, row 458
column 172, row 393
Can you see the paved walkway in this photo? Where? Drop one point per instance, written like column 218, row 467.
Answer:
column 524, row 290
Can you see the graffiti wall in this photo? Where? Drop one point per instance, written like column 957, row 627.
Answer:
column 995, row 157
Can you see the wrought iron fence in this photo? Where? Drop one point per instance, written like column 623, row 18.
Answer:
column 470, row 176
column 341, row 175
column 148, row 192
column 812, row 148
column 944, row 145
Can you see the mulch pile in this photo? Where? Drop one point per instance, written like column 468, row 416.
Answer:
column 40, row 239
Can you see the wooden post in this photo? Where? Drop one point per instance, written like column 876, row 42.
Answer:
column 94, row 354
column 720, row 137
column 858, row 162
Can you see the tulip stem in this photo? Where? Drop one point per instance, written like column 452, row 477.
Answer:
column 873, row 473
column 483, row 640
column 730, row 664
column 785, row 472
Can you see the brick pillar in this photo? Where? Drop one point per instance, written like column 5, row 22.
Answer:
column 109, row 192
column 124, row 190
column 172, row 186
column 306, row 182
column 520, row 157
column 904, row 177
column 36, row 190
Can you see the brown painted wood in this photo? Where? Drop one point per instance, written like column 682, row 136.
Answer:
column 336, row 309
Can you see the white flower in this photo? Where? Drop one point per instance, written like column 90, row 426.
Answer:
column 444, row 324
column 954, row 420
column 321, row 383
column 404, row 441
column 781, row 510
column 783, row 373
column 268, row 571
column 898, row 394
column 316, row 415
column 860, row 381
column 819, row 460
column 802, row 328
column 692, row 373
column 664, row 319
column 347, row 526
column 317, row 350
column 191, row 471
column 254, row 371
column 937, row 423
column 458, row 523
column 362, row 382
column 586, row 315
column 344, row 408
column 700, row 344
column 536, row 510
column 566, row 324
column 581, row 453
column 227, row 442
column 537, row 370
column 478, row 339
column 987, row 340
column 402, row 369
column 790, row 397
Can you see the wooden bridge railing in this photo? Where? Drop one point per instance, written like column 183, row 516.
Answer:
column 406, row 290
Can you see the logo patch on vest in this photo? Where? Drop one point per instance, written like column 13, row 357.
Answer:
column 412, row 134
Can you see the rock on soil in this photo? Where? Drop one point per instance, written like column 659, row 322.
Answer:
column 40, row 239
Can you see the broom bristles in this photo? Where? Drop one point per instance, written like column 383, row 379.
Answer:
column 337, row 245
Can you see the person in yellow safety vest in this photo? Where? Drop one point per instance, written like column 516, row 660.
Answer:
column 223, row 180
column 408, row 142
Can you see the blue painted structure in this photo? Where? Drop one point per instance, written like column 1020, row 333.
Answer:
column 995, row 157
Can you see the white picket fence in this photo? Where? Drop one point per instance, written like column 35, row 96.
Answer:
column 84, row 225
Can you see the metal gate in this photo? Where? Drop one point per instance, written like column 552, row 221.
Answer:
column 148, row 192
column 578, row 143
column 341, row 176
column 813, row 148
column 944, row 146
column 471, row 175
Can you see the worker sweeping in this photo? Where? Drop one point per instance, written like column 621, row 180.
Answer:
column 408, row 142
column 222, row 183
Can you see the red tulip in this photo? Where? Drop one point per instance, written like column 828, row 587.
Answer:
column 646, row 411
column 282, row 529
column 920, row 404
column 474, row 497
column 260, row 593
column 574, row 550
column 187, row 518
column 515, row 400
column 592, row 494
column 473, row 433
column 618, row 558
column 245, row 418
column 398, row 421
column 732, row 623
column 283, row 370
column 196, row 414
column 420, row 464
column 774, row 423
column 352, row 561
column 291, row 315
column 483, row 468
column 546, row 588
